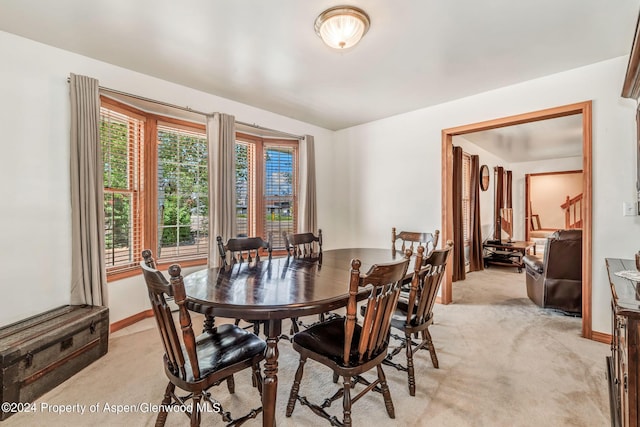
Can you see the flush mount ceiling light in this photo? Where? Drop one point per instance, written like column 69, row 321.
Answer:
column 342, row 27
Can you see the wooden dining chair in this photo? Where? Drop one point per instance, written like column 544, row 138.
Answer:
column 196, row 364
column 302, row 244
column 240, row 250
column 414, row 315
column 350, row 348
column 411, row 238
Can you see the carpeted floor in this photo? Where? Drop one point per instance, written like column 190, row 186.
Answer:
column 503, row 362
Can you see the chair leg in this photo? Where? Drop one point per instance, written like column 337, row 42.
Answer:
column 162, row 415
column 257, row 377
column 410, row 368
column 294, row 326
column 335, row 378
column 231, row 384
column 295, row 388
column 346, row 402
column 195, row 411
column 386, row 393
column 426, row 336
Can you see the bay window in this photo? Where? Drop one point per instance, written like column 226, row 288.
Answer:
column 156, row 188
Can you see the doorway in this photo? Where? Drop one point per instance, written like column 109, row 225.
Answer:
column 583, row 108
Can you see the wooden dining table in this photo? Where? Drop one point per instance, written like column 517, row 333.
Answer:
column 277, row 289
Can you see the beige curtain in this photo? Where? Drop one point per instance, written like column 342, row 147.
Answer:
column 307, row 205
column 221, row 136
column 88, row 270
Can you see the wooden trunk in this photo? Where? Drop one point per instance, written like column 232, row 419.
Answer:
column 41, row 352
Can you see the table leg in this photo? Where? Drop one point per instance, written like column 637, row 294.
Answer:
column 270, row 388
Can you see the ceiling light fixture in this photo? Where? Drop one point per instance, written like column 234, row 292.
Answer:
column 342, row 27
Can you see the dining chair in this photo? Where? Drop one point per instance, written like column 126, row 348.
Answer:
column 414, row 315
column 243, row 249
column 410, row 238
column 197, row 363
column 351, row 348
column 302, row 244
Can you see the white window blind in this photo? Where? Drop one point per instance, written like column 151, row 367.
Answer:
column 121, row 139
column 266, row 187
column 279, row 191
column 183, row 201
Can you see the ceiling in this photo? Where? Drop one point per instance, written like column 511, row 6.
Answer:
column 417, row 53
column 541, row 140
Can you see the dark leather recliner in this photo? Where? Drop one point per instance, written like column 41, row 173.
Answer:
column 555, row 281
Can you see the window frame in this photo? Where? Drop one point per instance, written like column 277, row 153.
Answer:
column 257, row 206
column 146, row 216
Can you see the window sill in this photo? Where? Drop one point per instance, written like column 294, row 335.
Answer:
column 162, row 265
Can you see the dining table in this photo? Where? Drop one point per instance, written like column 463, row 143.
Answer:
column 274, row 289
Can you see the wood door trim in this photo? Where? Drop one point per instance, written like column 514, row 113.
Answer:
column 583, row 108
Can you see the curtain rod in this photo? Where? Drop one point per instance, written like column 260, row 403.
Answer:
column 166, row 104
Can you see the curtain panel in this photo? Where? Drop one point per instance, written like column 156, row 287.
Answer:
column 476, row 261
column 458, row 236
column 498, row 202
column 508, row 189
column 221, row 135
column 307, row 205
column 88, row 269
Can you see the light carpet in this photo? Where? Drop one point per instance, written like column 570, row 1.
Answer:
column 503, row 362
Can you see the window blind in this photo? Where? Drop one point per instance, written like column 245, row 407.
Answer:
column 279, row 191
column 182, row 189
column 121, row 139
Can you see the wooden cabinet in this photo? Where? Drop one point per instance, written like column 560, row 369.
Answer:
column 623, row 365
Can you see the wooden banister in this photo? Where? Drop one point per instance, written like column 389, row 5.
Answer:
column 572, row 212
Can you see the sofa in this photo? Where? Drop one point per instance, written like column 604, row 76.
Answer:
column 554, row 280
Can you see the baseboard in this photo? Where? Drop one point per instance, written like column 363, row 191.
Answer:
column 120, row 324
column 601, row 337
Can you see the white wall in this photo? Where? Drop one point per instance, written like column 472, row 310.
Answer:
column 390, row 170
column 35, row 247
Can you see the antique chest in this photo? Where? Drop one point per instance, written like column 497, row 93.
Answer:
column 39, row 353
